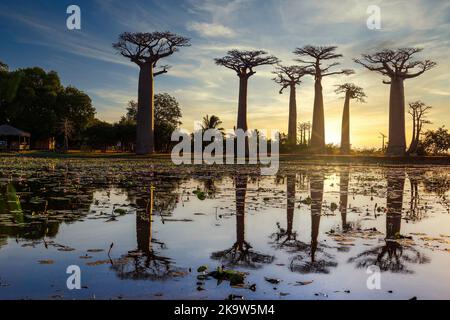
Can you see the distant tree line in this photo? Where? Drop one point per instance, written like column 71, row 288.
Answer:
column 35, row 101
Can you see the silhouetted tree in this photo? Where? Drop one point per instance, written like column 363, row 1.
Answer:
column 351, row 92
column 289, row 77
column 211, row 122
column 146, row 49
column 397, row 66
column 418, row 111
column 436, row 141
column 243, row 63
column 314, row 57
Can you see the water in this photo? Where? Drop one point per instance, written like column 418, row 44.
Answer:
column 314, row 229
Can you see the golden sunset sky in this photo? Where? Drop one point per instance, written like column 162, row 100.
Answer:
column 36, row 35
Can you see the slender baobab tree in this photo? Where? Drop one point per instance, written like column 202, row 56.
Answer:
column 314, row 57
column 351, row 92
column 397, row 66
column 146, row 49
column 289, row 77
column 243, row 63
column 418, row 111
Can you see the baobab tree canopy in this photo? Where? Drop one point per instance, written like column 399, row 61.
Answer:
column 398, row 66
column 244, row 61
column 318, row 54
column 145, row 47
column 353, row 91
column 290, row 75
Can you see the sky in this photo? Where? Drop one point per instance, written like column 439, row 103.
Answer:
column 34, row 33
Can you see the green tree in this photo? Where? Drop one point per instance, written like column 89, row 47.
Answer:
column 436, row 142
column 33, row 107
column 167, row 119
column 75, row 106
column 35, row 101
column 100, row 134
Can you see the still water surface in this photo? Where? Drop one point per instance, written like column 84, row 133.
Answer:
column 310, row 232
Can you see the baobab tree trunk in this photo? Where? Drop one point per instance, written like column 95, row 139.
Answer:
column 145, row 112
column 345, row 134
column 292, row 127
column 318, row 125
column 413, row 139
column 242, row 106
column 397, row 140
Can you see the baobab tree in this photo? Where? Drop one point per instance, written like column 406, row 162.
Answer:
column 351, row 92
column 314, row 57
column 145, row 50
column 289, row 77
column 243, row 63
column 418, row 111
column 397, row 66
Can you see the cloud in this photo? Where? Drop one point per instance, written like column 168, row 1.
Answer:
column 212, row 30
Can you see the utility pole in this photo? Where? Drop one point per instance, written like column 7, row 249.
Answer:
column 383, row 136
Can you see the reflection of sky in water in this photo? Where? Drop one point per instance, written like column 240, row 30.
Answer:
column 189, row 233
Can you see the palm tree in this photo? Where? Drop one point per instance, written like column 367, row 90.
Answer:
column 212, row 122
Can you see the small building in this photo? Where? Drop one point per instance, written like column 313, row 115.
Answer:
column 13, row 139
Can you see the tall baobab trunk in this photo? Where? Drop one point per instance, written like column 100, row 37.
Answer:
column 318, row 125
column 292, row 128
column 397, row 140
column 145, row 113
column 345, row 134
column 242, row 106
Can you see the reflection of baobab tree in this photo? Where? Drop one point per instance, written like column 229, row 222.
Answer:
column 343, row 193
column 241, row 253
column 144, row 262
column 415, row 212
column 312, row 258
column 287, row 237
column 393, row 255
